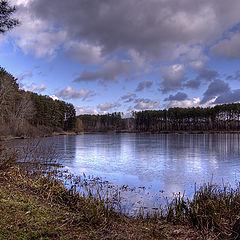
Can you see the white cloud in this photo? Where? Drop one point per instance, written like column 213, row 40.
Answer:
column 144, row 104
column 54, row 97
column 35, row 88
column 187, row 53
column 188, row 103
column 21, row 2
column 24, row 75
column 108, row 106
column 70, row 93
column 173, row 76
column 34, row 35
column 85, row 110
column 197, row 65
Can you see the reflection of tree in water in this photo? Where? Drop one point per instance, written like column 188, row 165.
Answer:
column 176, row 161
column 101, row 152
column 66, row 148
column 171, row 162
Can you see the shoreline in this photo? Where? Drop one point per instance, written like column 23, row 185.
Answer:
column 35, row 205
column 63, row 214
column 162, row 132
column 65, row 133
column 53, row 134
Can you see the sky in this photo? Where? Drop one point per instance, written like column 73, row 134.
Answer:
column 130, row 55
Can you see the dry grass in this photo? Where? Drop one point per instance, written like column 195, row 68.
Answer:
column 33, row 206
column 214, row 210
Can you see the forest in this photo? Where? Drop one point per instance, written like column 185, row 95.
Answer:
column 100, row 123
column 24, row 113
column 224, row 117
column 218, row 118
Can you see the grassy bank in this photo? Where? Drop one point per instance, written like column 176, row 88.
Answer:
column 36, row 205
column 33, row 206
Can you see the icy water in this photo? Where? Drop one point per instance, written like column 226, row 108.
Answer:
column 154, row 165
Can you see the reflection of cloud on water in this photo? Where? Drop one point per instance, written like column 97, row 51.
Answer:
column 214, row 163
column 173, row 163
column 75, row 171
column 173, row 188
column 81, row 170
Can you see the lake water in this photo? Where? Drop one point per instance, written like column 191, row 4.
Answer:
column 156, row 165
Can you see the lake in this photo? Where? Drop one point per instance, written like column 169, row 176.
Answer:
column 155, row 165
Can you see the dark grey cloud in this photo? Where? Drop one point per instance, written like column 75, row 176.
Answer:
column 194, row 84
column 228, row 97
column 236, row 76
column 110, row 71
column 215, row 88
column 229, row 77
column 146, row 103
column 229, row 48
column 180, row 96
column 84, row 53
column 203, row 75
column 94, row 32
column 142, row 85
column 128, row 97
column 116, row 68
column 207, row 75
column 172, row 78
column 148, row 26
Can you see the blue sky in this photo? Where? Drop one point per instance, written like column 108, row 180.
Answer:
column 106, row 56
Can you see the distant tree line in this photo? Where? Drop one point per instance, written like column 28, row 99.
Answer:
column 100, row 123
column 224, row 117
column 27, row 113
column 220, row 118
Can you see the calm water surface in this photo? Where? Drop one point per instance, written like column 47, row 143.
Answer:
column 161, row 163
